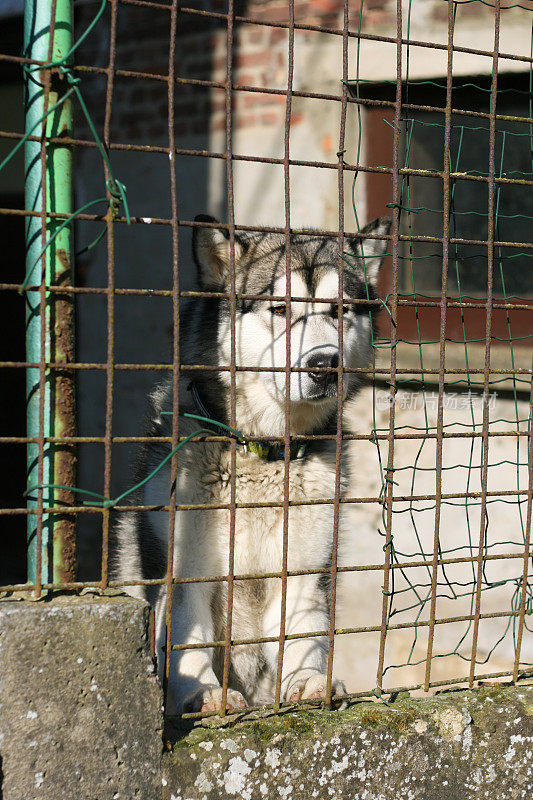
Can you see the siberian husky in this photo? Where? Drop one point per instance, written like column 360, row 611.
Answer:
column 202, row 537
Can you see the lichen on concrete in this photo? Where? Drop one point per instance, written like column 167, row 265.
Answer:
column 80, row 705
column 460, row 744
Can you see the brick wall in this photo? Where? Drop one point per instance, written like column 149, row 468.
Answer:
column 260, row 58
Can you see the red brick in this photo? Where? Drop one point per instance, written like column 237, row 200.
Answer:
column 376, row 19
column 255, row 35
column 246, row 79
column 258, row 99
column 327, row 6
column 218, row 105
column 219, row 63
column 440, row 13
column 253, row 59
column 278, row 35
column 245, row 121
column 271, row 12
column 270, row 118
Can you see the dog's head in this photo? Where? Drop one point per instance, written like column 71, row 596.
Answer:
column 261, row 324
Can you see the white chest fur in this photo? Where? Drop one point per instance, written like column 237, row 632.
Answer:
column 259, row 517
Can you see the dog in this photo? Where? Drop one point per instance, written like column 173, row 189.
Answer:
column 202, row 537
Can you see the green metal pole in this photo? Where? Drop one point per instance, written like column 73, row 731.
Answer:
column 49, row 324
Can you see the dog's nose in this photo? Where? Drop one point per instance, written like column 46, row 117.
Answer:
column 323, row 360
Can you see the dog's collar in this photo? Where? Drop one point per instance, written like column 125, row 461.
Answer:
column 269, row 451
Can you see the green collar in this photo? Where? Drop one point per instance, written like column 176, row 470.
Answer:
column 268, row 451
column 275, row 451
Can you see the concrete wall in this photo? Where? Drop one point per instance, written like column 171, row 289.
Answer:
column 461, row 746
column 80, row 706
column 81, row 717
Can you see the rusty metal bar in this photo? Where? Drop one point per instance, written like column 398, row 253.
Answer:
column 393, row 311
column 206, row 84
column 272, row 229
column 340, row 372
column 241, row 87
column 362, row 629
column 61, row 307
column 175, row 349
column 110, row 299
column 488, row 677
column 210, row 368
column 419, row 302
column 527, row 545
column 40, row 39
column 490, row 281
column 140, row 148
column 288, row 360
column 401, row 565
column 233, row 353
column 497, row 494
column 442, row 349
column 347, row 437
column 508, row 305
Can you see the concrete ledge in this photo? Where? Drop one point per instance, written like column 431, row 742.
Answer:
column 80, row 705
column 457, row 746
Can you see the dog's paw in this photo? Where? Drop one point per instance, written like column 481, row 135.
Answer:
column 313, row 687
column 209, row 698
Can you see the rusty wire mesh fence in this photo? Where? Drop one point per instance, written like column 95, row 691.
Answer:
column 435, row 578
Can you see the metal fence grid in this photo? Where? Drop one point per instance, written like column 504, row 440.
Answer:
column 55, row 505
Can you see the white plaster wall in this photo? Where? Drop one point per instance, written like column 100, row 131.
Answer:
column 361, row 592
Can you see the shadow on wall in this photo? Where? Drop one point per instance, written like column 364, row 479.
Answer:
column 143, row 324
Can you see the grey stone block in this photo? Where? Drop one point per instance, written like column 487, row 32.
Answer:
column 80, row 705
column 464, row 745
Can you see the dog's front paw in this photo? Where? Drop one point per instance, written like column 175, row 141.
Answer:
column 313, row 687
column 209, row 698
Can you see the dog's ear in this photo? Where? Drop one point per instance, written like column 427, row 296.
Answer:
column 211, row 253
column 369, row 253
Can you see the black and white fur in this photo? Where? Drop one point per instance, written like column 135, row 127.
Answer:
column 202, row 538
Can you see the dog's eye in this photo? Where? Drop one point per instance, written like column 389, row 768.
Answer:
column 279, row 310
column 335, row 310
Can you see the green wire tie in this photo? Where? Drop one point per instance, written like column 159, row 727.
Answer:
column 116, row 188
column 391, row 124
column 74, row 47
column 405, row 208
column 379, row 694
column 240, row 436
column 109, row 503
column 387, row 309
